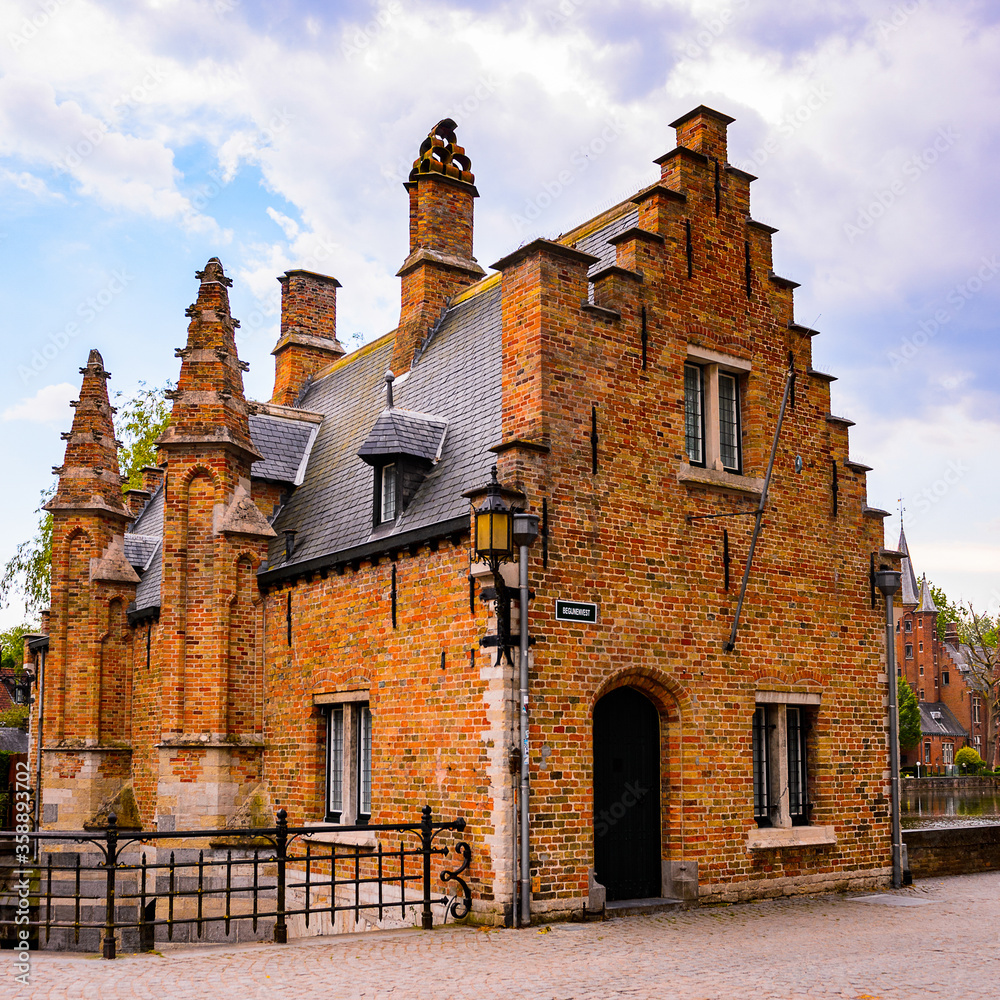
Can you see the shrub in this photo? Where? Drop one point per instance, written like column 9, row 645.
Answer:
column 15, row 717
column 969, row 761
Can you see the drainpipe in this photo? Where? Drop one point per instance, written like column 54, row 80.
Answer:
column 525, row 532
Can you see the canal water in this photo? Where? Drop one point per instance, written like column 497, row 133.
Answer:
column 937, row 808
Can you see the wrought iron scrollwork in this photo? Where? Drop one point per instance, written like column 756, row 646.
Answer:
column 460, row 904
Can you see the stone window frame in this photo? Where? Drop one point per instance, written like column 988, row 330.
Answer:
column 907, row 626
column 976, row 706
column 710, row 365
column 786, row 830
column 354, row 709
column 908, row 651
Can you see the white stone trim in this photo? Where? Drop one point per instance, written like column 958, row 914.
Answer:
column 772, row 838
column 703, row 356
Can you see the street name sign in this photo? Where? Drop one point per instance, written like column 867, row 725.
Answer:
column 576, row 611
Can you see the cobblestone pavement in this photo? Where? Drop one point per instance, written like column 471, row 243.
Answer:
column 936, row 939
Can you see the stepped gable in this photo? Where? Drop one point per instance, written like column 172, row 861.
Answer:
column 89, row 478
column 208, row 404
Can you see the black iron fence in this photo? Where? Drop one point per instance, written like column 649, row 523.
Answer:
column 143, row 887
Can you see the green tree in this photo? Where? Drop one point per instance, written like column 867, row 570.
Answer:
column 140, row 420
column 12, row 647
column 909, row 714
column 27, row 571
column 968, row 760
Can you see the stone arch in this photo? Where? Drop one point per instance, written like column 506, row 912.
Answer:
column 243, row 669
column 113, row 687
column 197, row 495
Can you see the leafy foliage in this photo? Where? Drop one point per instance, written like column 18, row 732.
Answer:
column 968, row 760
column 12, row 647
column 27, row 571
column 909, row 714
column 140, row 420
column 15, row 717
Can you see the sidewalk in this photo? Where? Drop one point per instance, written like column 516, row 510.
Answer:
column 935, row 939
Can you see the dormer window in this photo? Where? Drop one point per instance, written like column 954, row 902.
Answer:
column 402, row 447
column 389, row 492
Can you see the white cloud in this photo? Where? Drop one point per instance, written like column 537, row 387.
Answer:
column 289, row 226
column 49, row 405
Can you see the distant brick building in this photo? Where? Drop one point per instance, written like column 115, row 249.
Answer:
column 953, row 704
column 289, row 613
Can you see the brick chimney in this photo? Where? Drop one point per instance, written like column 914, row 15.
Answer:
column 308, row 338
column 152, row 477
column 135, row 500
column 951, row 634
column 441, row 188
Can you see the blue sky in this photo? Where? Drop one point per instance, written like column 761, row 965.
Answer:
column 138, row 139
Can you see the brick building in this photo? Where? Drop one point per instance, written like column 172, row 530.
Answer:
column 290, row 614
column 953, row 705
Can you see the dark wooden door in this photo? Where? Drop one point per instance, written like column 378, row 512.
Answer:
column 627, row 795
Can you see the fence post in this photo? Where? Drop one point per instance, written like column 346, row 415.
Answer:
column 281, row 842
column 427, row 918
column 111, row 863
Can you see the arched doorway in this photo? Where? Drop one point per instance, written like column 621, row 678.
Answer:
column 627, row 795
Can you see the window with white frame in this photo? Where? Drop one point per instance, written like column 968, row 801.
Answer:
column 907, row 626
column 348, row 761
column 977, row 744
column 388, row 493
column 927, row 752
column 712, row 417
column 909, row 651
column 781, row 765
column 948, row 750
column 975, row 710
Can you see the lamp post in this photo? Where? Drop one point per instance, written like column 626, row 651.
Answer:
column 888, row 581
column 497, row 530
column 525, row 532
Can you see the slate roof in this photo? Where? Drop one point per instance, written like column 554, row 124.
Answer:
column 596, row 243
column 13, row 740
column 910, row 594
column 285, row 444
column 926, row 601
column 150, row 519
column 139, row 549
column 946, row 725
column 147, row 594
column 456, row 378
column 404, row 432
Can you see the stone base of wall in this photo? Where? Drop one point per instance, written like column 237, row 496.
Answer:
column 960, row 850
column 967, row 783
column 799, row 885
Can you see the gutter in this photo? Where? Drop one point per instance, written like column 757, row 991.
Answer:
column 455, row 527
